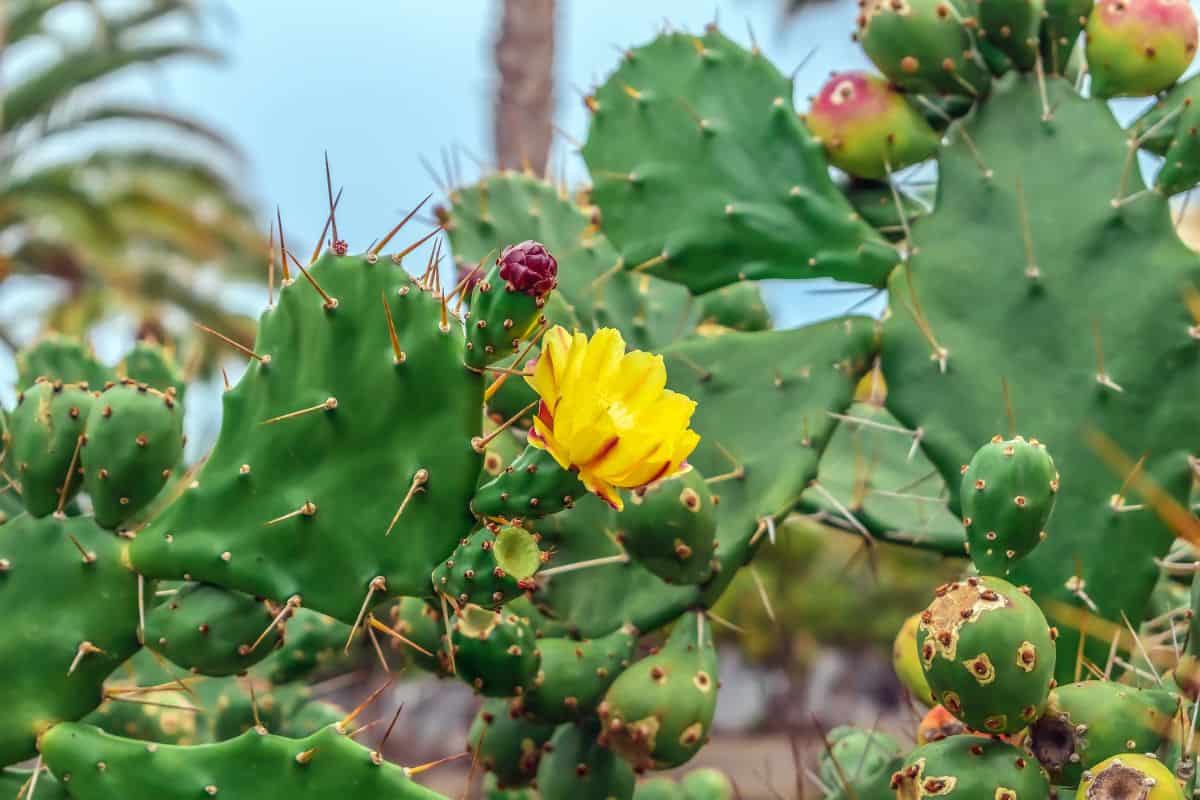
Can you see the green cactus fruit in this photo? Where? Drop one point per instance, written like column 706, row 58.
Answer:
column 71, row 610
column 859, row 764
column 16, row 783
column 657, row 714
column 1061, row 27
column 214, row 631
column 134, row 441
column 707, row 783
column 923, row 46
column 988, row 654
column 491, row 566
column 1012, row 27
column 906, row 660
column 738, row 307
column 670, row 528
column 1158, row 128
column 494, row 651
column 313, row 649
column 491, row 791
column 1139, row 47
column 1130, row 776
column 575, row 674
column 576, row 766
column 1008, row 492
column 44, row 430
column 970, row 768
column 867, row 127
column 422, row 624
column 56, row 357
column 1085, row 723
column 152, row 364
column 507, row 303
column 533, row 485
column 1181, row 169
column 507, row 743
column 263, row 766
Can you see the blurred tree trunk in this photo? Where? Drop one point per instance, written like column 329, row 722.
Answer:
column 525, row 91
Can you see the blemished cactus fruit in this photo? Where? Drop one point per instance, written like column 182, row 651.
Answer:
column 214, row 631
column 494, row 651
column 859, row 764
column 988, row 654
column 576, row 766
column 575, row 674
column 706, row 783
column 507, row 302
column 923, row 46
column 971, row 768
column 1007, row 493
column 1085, row 723
column 670, row 528
column 657, row 714
column 133, row 441
column 45, row 430
column 491, row 566
column 868, row 129
column 937, row 724
column 906, row 661
column 507, row 743
column 101, row 766
column 1139, row 47
column 1130, row 775
column 60, row 358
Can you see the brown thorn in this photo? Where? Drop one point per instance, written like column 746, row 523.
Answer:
column 177, row 706
column 374, row 623
column 88, row 556
column 292, row 602
column 391, row 725
column 379, row 652
column 399, row 355
column 333, row 204
column 377, row 584
column 225, row 379
column 330, row 302
column 479, row 444
column 417, row 770
column 398, row 257
column 1032, row 271
column 234, row 344
column 254, row 704
column 449, row 639
column 62, row 492
column 353, row 715
column 85, row 649
column 1166, row 507
column 383, row 242
column 287, row 275
column 419, row 479
column 330, row 404
column 271, row 266
column 1008, row 408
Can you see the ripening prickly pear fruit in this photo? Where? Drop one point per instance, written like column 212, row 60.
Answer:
column 706, row 783
column 906, row 660
column 1084, row 723
column 507, row 743
column 1181, row 165
column 1012, row 27
column 575, row 674
column 575, row 766
column 1008, row 492
column 213, row 630
column 491, row 566
column 44, row 430
column 970, row 768
column 134, row 441
column 494, row 651
column 507, row 303
column 988, row 654
column 923, row 46
column 1138, row 47
column 867, row 127
column 670, row 528
column 657, row 714
column 1129, row 776
column 859, row 763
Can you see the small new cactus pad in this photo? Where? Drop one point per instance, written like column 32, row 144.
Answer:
column 533, row 485
column 923, row 46
column 988, row 654
column 71, row 610
column 507, row 743
column 906, row 661
column 738, row 307
column 707, row 783
column 1063, row 22
column 971, row 768
column 576, row 766
column 1181, row 166
column 575, row 674
column 134, row 440
column 657, row 714
column 670, row 528
column 494, row 651
column 1159, row 126
column 44, row 430
column 1085, row 723
column 1007, row 493
column 212, row 630
column 311, row 447
column 859, row 764
column 1139, row 47
column 99, row 766
column 60, row 358
column 1011, row 26
column 1129, row 776
column 152, row 364
column 867, row 127
column 491, row 566
column 313, row 649
column 705, row 176
column 507, row 303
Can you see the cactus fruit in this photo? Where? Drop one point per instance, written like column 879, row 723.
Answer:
column 988, row 654
column 1129, row 776
column 657, row 789
column 1011, row 26
column 923, row 46
column 575, row 674
column 906, row 661
column 152, row 364
column 494, row 651
column 868, row 128
column 45, row 430
column 507, row 743
column 1088, row 722
column 212, row 630
column 657, row 714
column 971, row 768
column 491, row 566
column 56, row 357
column 858, row 764
column 1008, row 492
column 576, row 766
column 670, row 528
column 507, row 303
column 1139, row 47
column 707, row 783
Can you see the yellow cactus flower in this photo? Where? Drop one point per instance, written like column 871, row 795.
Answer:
column 608, row 414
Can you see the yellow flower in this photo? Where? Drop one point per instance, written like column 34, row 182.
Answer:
column 608, row 414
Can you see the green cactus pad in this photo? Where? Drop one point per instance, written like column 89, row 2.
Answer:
column 331, row 388
column 657, row 714
column 1012, row 27
column 576, row 766
column 15, row 783
column 1159, row 126
column 923, row 46
column 421, row 623
column 152, row 364
column 312, row 649
column 1130, row 775
column 494, row 651
column 101, row 766
column 1146, row 347
column 738, row 307
column 212, row 630
column 44, row 431
column 63, row 606
column 670, row 528
column 575, row 674
column 507, row 743
column 61, row 358
column 988, row 654
column 489, row 570
column 533, row 485
column 705, row 176
column 970, row 768
column 859, row 764
column 1181, row 169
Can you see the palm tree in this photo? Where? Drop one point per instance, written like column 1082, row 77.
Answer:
column 524, row 108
